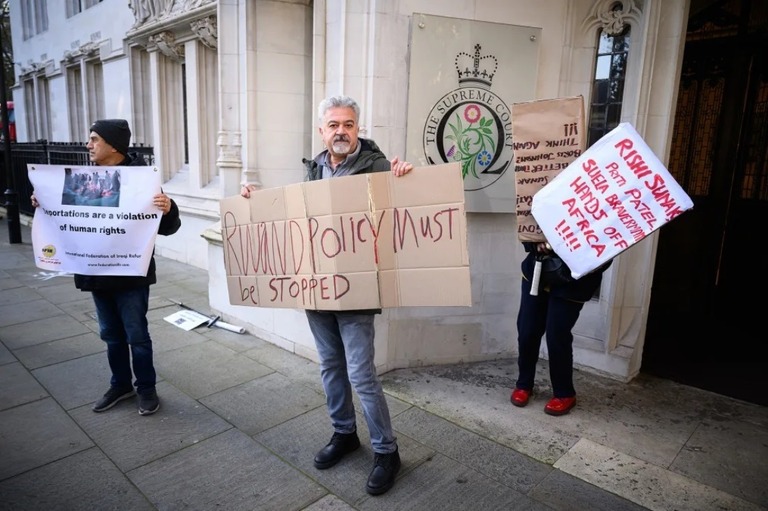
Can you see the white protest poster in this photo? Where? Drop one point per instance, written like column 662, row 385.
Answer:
column 614, row 195
column 95, row 220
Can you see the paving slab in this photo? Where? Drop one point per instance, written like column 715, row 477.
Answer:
column 561, row 491
column 647, row 444
column 167, row 337
column 263, row 403
column 186, row 284
column 6, row 357
column 206, row 368
column 33, row 310
column 329, row 503
column 496, row 461
column 81, row 307
column 297, row 368
column 27, row 439
column 717, row 453
column 234, row 341
column 477, row 397
column 60, row 291
column 76, row 382
column 19, row 387
column 228, row 471
column 440, row 483
column 19, row 295
column 53, row 352
column 180, row 422
column 59, row 326
column 85, row 481
column 297, row 440
column 13, row 259
column 7, row 282
column 34, row 277
column 641, row 482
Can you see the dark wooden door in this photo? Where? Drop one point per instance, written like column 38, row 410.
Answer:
column 708, row 300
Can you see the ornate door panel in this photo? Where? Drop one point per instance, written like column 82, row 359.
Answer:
column 703, row 330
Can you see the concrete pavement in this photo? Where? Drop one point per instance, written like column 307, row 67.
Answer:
column 241, row 419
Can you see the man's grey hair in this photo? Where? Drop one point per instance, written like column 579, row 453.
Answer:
column 337, row 102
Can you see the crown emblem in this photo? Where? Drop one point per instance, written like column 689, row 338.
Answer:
column 474, row 69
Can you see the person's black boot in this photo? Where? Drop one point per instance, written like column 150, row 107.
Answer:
column 385, row 469
column 339, row 445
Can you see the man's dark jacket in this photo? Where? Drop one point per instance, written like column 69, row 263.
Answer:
column 169, row 224
column 370, row 159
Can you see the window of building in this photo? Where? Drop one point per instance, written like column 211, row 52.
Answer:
column 610, row 73
column 34, row 17
column 78, row 6
column 85, row 95
column 608, row 84
column 30, row 109
column 173, row 89
column 94, row 76
column 44, row 108
column 141, row 92
column 170, row 142
column 184, row 111
column 77, row 124
column 37, row 105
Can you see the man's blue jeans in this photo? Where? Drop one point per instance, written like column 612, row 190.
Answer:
column 344, row 343
column 123, row 325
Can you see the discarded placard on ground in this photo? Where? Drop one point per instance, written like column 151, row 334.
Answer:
column 189, row 319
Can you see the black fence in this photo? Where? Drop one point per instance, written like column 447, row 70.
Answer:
column 50, row 153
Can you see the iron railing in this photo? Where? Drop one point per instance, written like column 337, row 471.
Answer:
column 50, row 153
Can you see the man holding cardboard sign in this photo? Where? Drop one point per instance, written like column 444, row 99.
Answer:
column 344, row 339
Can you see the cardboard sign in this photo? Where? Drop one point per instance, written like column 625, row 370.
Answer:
column 353, row 242
column 611, row 197
column 548, row 135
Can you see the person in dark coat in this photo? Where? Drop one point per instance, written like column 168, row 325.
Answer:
column 122, row 302
column 552, row 309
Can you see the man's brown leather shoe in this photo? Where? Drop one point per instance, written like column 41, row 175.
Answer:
column 339, row 445
column 560, row 405
column 520, row 397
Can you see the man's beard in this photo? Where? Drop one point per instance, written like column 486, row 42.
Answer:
column 341, row 146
